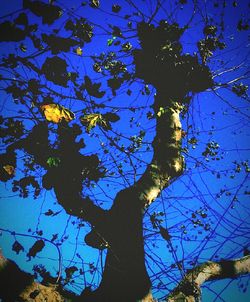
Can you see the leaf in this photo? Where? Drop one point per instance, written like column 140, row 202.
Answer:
column 22, row 19
column 240, row 89
column 36, row 248
column 9, row 169
column 114, row 84
column 55, row 70
column 9, row 32
column 23, row 47
column 164, row 233
column 116, row 31
column 93, row 89
column 94, row 3
column 48, row 12
column 81, row 29
column 111, row 117
column 97, row 67
column 17, row 247
column 58, row 44
column 79, row 51
column 54, row 237
column 22, row 185
column 51, row 213
column 116, row 8
column 110, row 41
column 8, row 164
column 56, row 113
column 53, row 161
column 91, row 120
column 126, row 46
column 242, row 25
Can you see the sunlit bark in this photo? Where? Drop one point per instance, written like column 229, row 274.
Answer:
column 189, row 289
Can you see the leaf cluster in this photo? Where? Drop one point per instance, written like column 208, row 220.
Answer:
column 160, row 61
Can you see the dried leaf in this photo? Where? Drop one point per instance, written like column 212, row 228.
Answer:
column 97, row 67
column 79, row 51
column 94, row 3
column 9, row 169
column 56, row 113
column 91, row 120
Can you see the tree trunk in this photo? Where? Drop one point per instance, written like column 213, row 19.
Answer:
column 125, row 276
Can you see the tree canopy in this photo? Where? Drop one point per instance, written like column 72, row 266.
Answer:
column 124, row 154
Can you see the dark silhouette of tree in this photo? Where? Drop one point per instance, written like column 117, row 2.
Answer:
column 121, row 111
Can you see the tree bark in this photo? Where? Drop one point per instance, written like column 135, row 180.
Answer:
column 125, row 277
column 16, row 285
column 189, row 289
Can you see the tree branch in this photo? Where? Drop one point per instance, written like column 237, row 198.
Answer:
column 167, row 162
column 189, row 290
column 17, row 285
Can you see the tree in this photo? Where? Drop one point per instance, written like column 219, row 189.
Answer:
column 115, row 111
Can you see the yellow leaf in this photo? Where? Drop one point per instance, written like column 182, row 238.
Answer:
column 9, row 169
column 79, row 51
column 56, row 113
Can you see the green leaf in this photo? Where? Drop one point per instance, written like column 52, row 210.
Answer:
column 111, row 41
column 53, row 161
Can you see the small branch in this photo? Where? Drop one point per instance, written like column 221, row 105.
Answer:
column 189, row 290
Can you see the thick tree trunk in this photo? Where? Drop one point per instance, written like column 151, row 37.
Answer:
column 125, row 277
